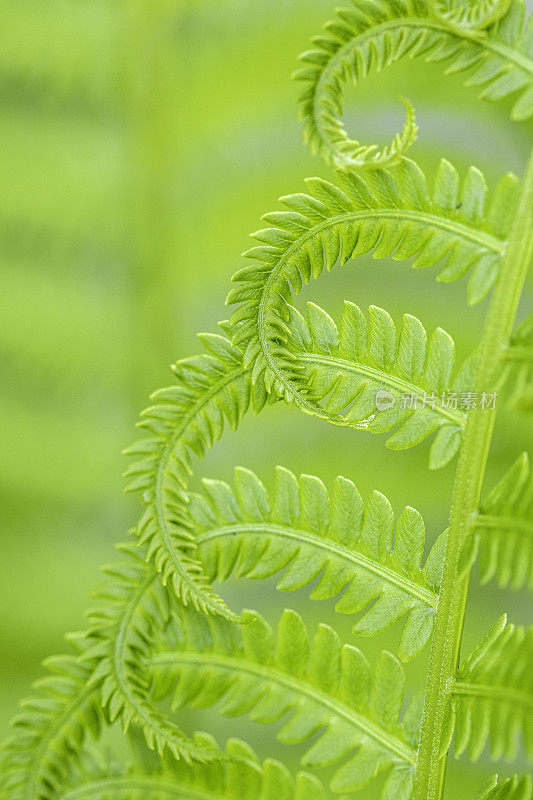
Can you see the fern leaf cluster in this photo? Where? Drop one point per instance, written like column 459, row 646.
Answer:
column 344, row 542
column 389, row 211
column 161, row 639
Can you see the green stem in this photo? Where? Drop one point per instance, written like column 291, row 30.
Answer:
column 449, row 620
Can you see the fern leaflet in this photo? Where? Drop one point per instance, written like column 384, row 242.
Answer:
column 131, row 608
column 52, row 726
column 517, row 373
column 503, row 529
column 307, row 533
column 513, row 788
column 493, row 695
column 189, row 417
column 326, row 686
column 239, row 775
column 367, row 376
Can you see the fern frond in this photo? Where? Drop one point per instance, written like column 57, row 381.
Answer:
column 37, row 758
column 241, row 776
column 327, row 688
column 187, row 418
column 504, row 529
column 513, row 788
column 307, row 532
column 389, row 211
column 131, row 608
column 493, row 695
column 374, row 35
column 367, row 375
column 517, row 373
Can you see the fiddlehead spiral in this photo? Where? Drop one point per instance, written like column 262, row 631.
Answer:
column 485, row 39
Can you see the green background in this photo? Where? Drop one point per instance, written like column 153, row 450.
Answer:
column 140, row 143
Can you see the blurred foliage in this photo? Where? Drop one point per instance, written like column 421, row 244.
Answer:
column 141, row 142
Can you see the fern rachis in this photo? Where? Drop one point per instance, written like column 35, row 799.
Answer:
column 161, row 634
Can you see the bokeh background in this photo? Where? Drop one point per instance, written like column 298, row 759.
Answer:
column 140, row 142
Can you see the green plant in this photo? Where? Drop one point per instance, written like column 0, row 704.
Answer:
column 160, row 630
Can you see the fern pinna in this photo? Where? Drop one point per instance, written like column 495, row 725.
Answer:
column 160, row 637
